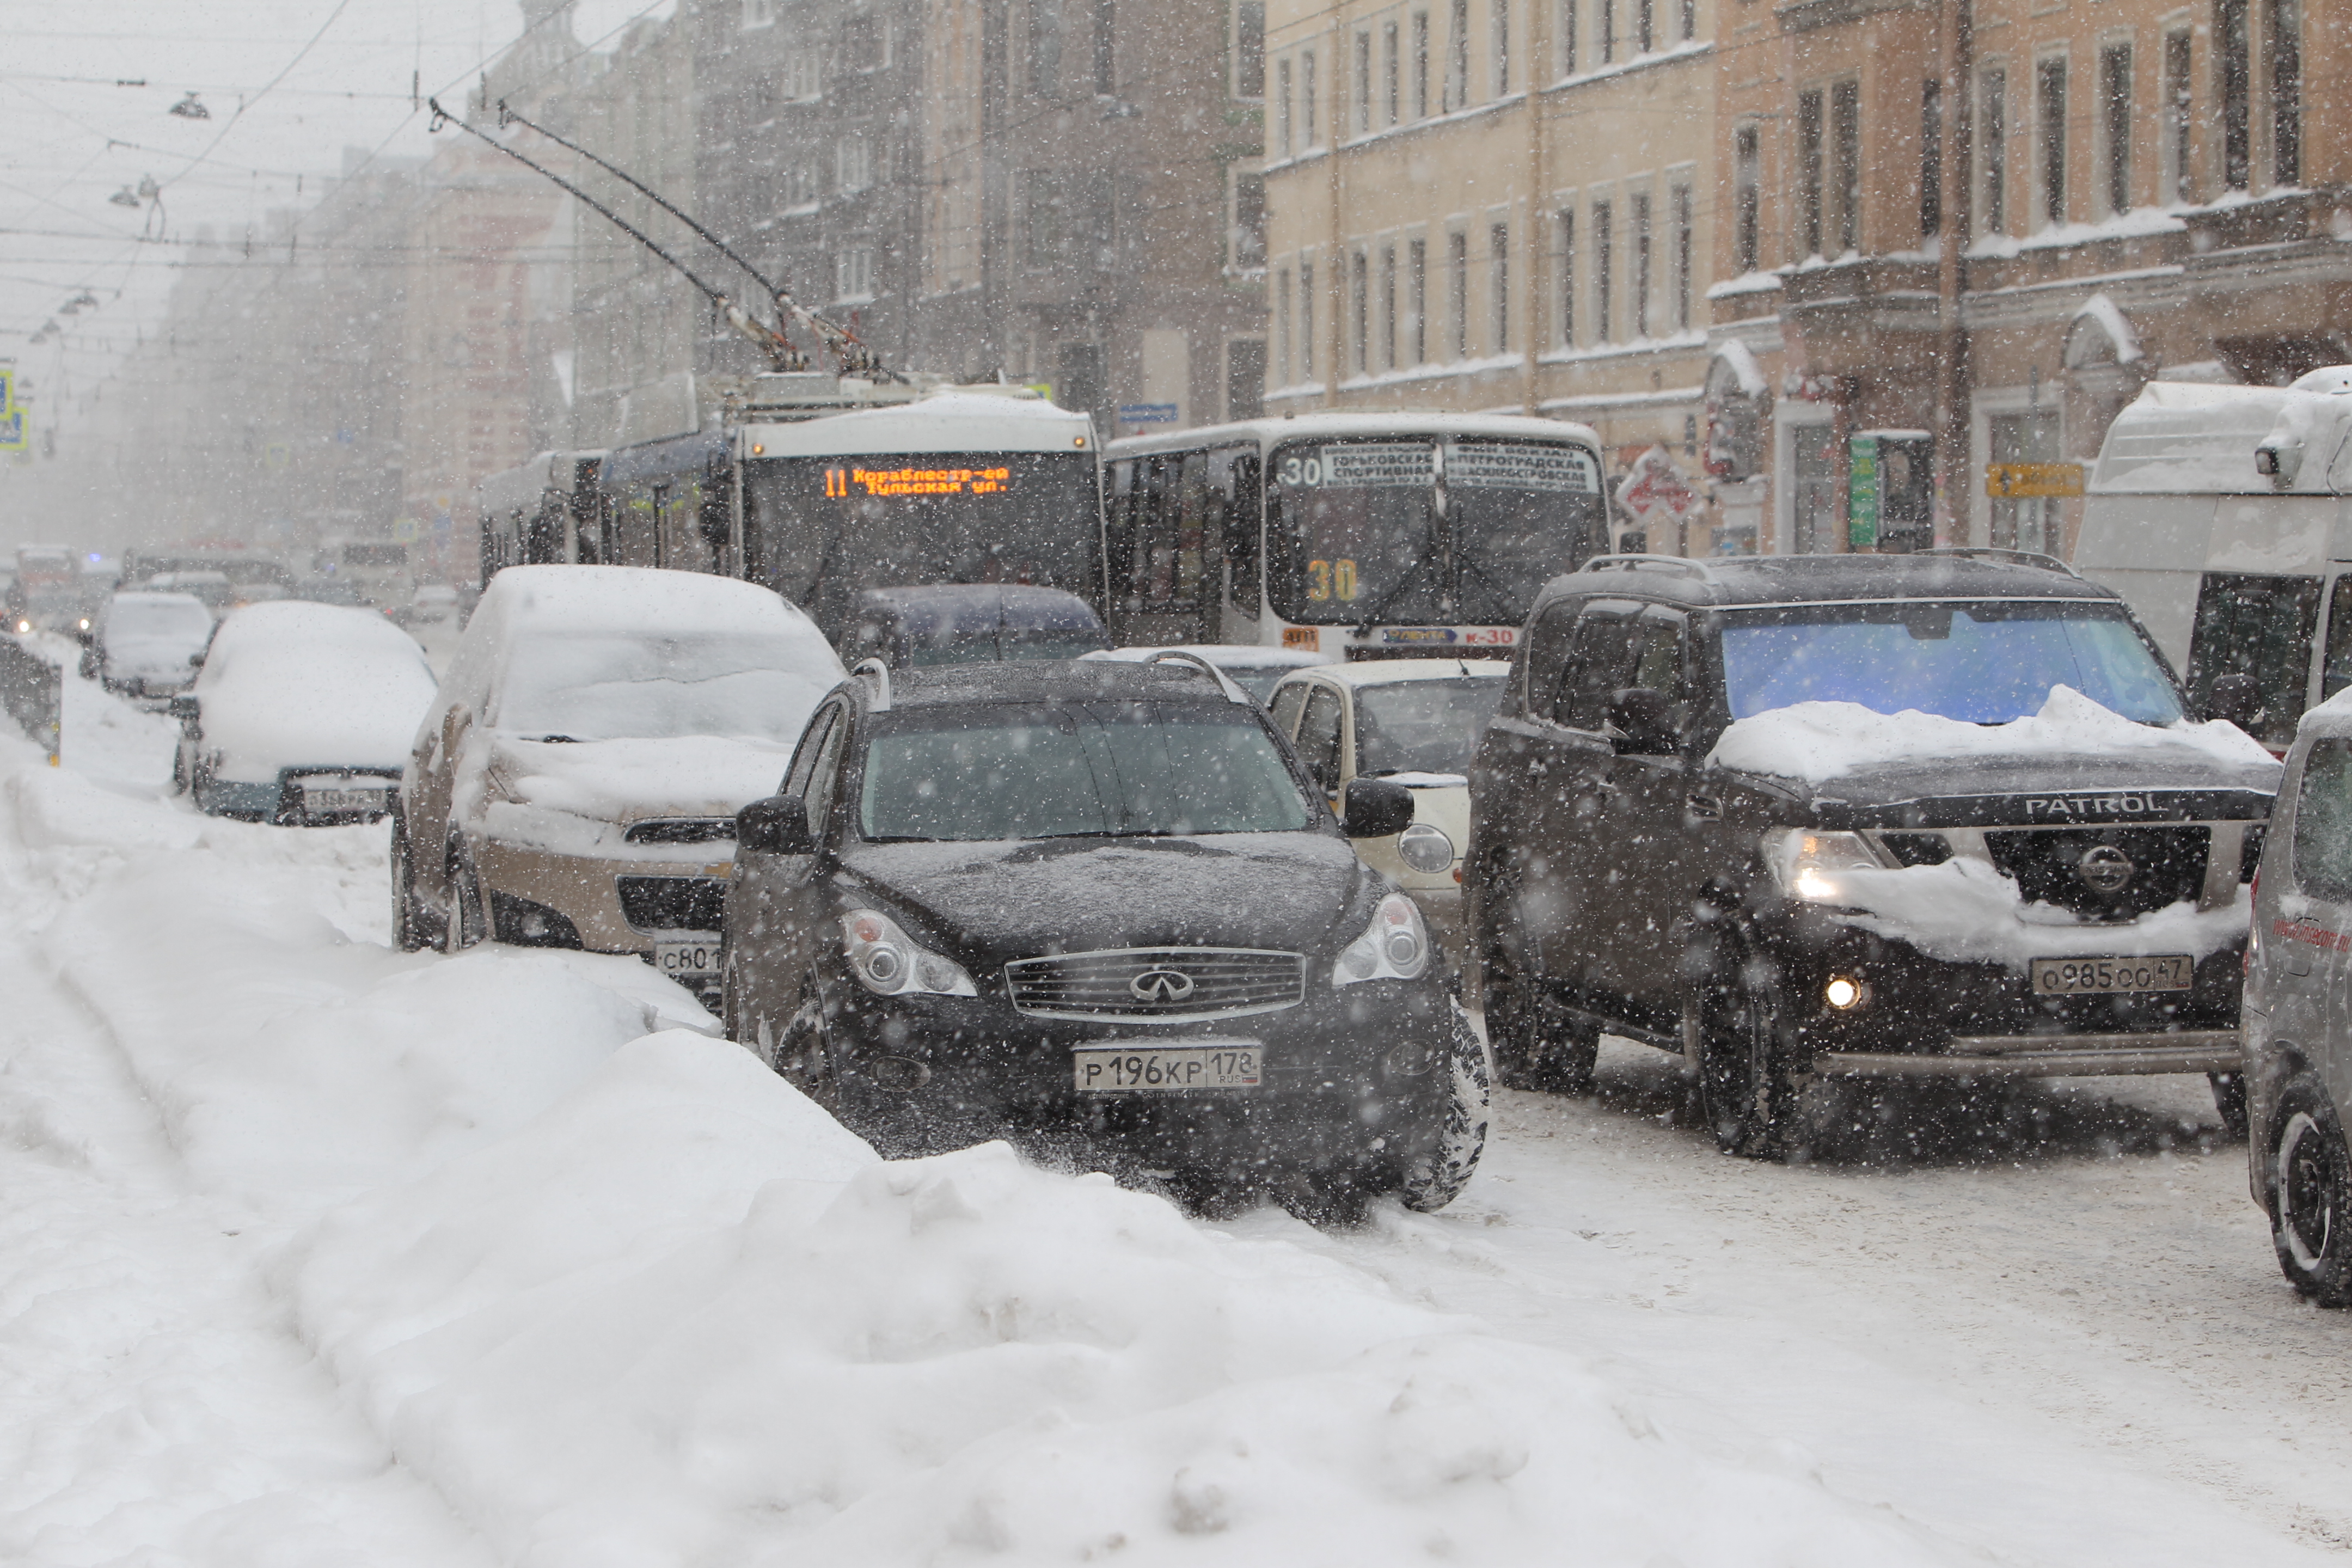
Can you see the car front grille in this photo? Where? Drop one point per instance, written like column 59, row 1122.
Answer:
column 2104, row 873
column 1168, row 984
column 673, row 904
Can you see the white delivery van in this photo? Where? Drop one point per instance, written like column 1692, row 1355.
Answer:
column 2223, row 514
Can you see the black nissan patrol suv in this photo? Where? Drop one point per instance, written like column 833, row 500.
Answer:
column 1857, row 815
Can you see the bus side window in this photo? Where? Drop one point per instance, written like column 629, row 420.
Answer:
column 2336, row 672
column 1196, row 538
column 1119, row 532
column 1236, row 481
column 1155, row 563
column 2261, row 625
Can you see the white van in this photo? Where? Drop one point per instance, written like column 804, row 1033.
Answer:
column 2223, row 514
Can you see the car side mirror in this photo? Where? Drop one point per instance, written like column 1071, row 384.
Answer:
column 1375, row 808
column 183, row 707
column 776, row 825
column 1643, row 721
column 2235, row 697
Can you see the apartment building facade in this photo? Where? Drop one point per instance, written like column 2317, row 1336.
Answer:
column 1495, row 204
column 1992, row 221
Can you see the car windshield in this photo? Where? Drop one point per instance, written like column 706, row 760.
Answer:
column 1079, row 770
column 1984, row 663
column 610, row 686
column 1422, row 726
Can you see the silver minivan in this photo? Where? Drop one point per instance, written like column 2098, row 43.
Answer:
column 2297, row 1012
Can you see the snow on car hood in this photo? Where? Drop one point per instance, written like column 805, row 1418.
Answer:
column 158, row 659
column 544, row 785
column 1967, row 912
column 1818, row 741
column 1286, row 891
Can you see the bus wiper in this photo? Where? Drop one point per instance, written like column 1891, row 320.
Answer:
column 1427, row 557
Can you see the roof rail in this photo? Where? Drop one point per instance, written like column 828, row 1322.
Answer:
column 1996, row 553
column 1681, row 565
column 877, row 675
column 1226, row 683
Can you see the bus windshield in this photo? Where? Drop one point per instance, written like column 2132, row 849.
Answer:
column 1359, row 541
column 822, row 529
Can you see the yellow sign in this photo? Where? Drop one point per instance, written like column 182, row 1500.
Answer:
column 2017, row 481
column 13, row 435
column 1301, row 636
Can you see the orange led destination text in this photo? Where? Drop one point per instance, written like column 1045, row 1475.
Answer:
column 917, row 481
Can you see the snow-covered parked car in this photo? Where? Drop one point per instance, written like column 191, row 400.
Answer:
column 148, row 645
column 1100, row 910
column 1796, row 816
column 301, row 714
column 577, row 782
column 1253, row 666
column 1414, row 722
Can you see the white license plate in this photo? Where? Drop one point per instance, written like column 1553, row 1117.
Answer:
column 322, row 802
column 1127, row 1069
column 688, row 958
column 2100, row 976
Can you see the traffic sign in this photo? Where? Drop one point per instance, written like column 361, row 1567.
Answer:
column 13, row 437
column 2017, row 481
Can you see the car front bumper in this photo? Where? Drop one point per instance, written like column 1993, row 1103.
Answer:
column 672, row 896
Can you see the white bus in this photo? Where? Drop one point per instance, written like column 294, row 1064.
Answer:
column 1352, row 535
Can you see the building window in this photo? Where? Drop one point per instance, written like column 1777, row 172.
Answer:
column 2179, row 182
column 1282, row 108
column 1307, row 320
column 1388, row 323
column 1845, row 136
column 1390, row 74
column 1045, row 47
column 1603, row 241
column 1249, row 222
column 1046, row 213
column 1567, row 282
column 1308, row 136
column 1359, row 313
column 1642, row 264
column 1457, row 295
column 1421, row 65
column 1498, row 282
column 853, row 163
column 1106, row 48
column 1748, row 199
column 2049, row 130
column 1809, row 163
column 1363, row 84
column 759, row 13
column 1931, row 156
column 1282, row 324
column 1684, row 255
column 804, row 76
column 1689, row 28
column 2233, row 84
column 1606, row 21
column 1249, row 49
column 1457, row 58
column 2115, row 126
column 853, row 276
column 1993, row 127
column 2286, row 92
column 1417, row 300
column 1502, row 46
column 1645, row 26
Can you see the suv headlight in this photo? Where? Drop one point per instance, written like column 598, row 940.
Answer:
column 1808, row 864
column 1395, row 946
column 889, row 965
column 1425, row 847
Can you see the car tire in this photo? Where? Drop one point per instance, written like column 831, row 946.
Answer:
column 804, row 1053
column 412, row 931
column 2229, row 1099
column 2310, row 1172
column 1747, row 1090
column 1437, row 1177
column 467, row 921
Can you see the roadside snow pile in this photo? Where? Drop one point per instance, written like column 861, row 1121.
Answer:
column 1820, row 741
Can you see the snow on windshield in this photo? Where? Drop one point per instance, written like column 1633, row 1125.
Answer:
column 1109, row 770
column 1985, row 663
column 174, row 617
column 592, row 686
column 1422, row 726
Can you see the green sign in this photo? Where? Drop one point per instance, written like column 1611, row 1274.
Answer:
column 1862, row 493
column 13, row 435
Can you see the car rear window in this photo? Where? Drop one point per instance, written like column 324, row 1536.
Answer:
column 2323, row 823
column 1422, row 726
column 1094, row 769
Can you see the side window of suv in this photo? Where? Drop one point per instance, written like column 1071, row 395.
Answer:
column 813, row 740
column 826, row 773
column 1319, row 738
column 1599, row 661
column 2323, row 823
column 1659, row 661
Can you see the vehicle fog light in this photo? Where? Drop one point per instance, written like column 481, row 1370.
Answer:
column 1359, row 961
column 1844, row 992
column 1425, row 849
column 935, row 973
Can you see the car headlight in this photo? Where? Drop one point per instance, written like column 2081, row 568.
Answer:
column 1808, row 864
column 889, row 965
column 1425, row 847
column 1395, row 946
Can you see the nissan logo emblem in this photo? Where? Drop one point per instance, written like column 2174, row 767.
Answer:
column 1161, row 987
column 2105, row 868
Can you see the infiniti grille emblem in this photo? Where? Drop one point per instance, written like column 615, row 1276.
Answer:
column 2105, row 868
column 1163, row 987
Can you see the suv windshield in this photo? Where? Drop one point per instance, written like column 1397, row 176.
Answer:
column 1422, row 726
column 611, row 686
column 1984, row 663
column 1085, row 769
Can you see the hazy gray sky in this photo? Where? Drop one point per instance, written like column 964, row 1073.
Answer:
column 69, row 136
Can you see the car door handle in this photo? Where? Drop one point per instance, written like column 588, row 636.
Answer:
column 1704, row 807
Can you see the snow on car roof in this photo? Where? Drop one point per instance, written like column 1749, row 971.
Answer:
column 278, row 623
column 1224, row 655
column 636, row 599
column 1395, row 671
column 942, row 422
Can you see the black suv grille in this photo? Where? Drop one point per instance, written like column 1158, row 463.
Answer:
column 2104, row 873
column 1164, row 983
column 673, row 904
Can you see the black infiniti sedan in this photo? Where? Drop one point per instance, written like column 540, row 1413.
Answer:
column 1099, row 909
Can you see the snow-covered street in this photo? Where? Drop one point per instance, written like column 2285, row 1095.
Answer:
column 318, row 1253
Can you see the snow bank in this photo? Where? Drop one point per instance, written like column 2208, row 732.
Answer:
column 1816, row 742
